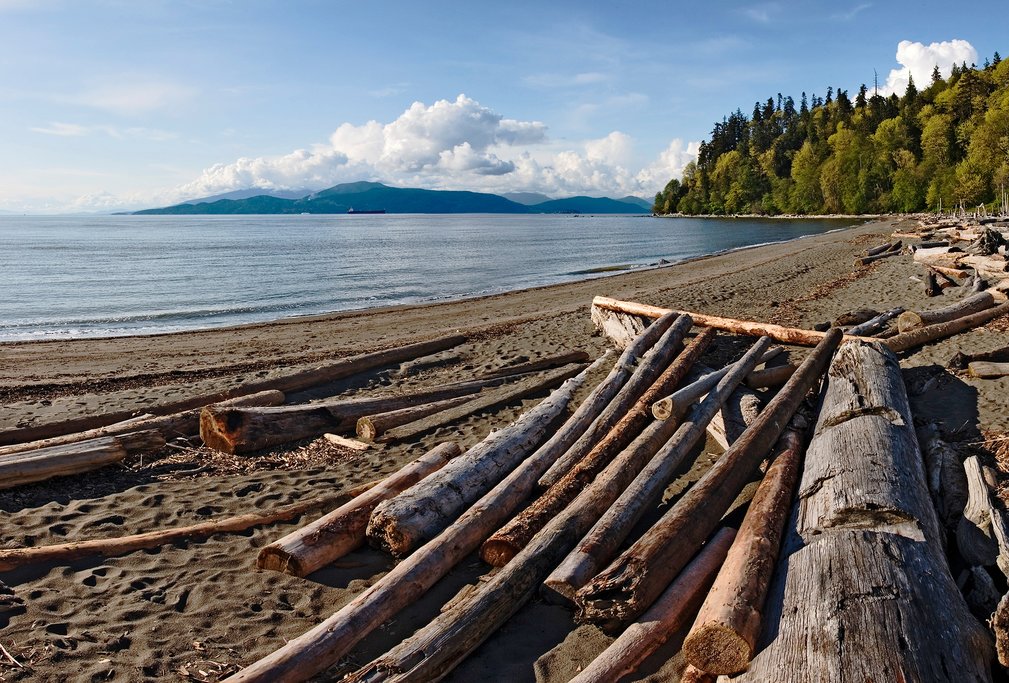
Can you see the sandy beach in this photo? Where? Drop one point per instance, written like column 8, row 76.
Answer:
column 200, row 610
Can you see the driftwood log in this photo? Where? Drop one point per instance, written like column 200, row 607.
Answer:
column 370, row 427
column 74, row 458
column 923, row 335
column 724, row 635
column 420, row 513
column 874, row 325
column 739, row 412
column 294, row 382
column 663, row 619
column 770, row 377
column 945, row 476
column 910, row 320
column 504, row 544
column 628, row 586
column 985, row 370
column 337, row 533
column 863, row 591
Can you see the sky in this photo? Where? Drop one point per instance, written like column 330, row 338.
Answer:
column 111, row 105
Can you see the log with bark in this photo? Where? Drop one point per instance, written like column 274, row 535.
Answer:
column 724, row 635
column 910, row 320
column 602, row 543
column 629, row 585
column 945, row 476
column 788, row 335
column 504, row 544
column 932, row 287
column 663, row 619
column 74, row 458
column 770, row 377
column 644, row 373
column 863, row 590
column 337, row 533
column 866, row 260
column 404, row 584
column 184, row 424
column 486, row 400
column 739, row 412
column 289, row 383
column 923, row 335
column 420, row 513
column 878, row 250
column 950, row 272
column 370, row 427
column 537, row 365
column 874, row 325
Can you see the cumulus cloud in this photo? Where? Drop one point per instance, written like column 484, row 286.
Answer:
column 453, row 144
column 918, row 60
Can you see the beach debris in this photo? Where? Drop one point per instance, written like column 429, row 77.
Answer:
column 770, row 377
column 987, row 370
column 739, row 412
column 724, row 636
column 960, row 360
column 945, row 476
column 1000, row 625
column 911, row 320
column 854, row 317
column 989, row 241
column 338, row 532
column 872, row 251
column 344, row 442
column 371, row 427
column 932, row 287
column 864, row 513
column 74, row 458
column 892, row 250
column 629, row 413
column 632, row 582
column 668, row 615
column 875, row 325
column 929, row 333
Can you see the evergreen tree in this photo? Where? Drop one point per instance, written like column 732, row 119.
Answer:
column 936, row 76
column 860, row 98
column 803, row 105
column 996, row 58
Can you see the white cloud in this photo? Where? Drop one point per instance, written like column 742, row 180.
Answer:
column 60, row 129
column 65, row 130
column 762, row 13
column 918, row 60
column 131, row 98
column 670, row 164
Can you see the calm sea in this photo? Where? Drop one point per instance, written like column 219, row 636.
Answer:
column 117, row 275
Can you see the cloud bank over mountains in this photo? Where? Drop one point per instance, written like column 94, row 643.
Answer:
column 454, row 145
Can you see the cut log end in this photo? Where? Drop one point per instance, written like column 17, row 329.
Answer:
column 383, row 533
column 214, row 433
column 366, row 430
column 717, row 649
column 497, row 552
column 662, row 409
column 279, row 560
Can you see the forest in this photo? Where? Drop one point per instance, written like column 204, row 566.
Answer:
column 945, row 145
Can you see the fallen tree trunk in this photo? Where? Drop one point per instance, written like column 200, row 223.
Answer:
column 629, row 585
column 975, row 537
column 615, row 524
column 981, row 369
column 74, row 458
column 910, row 320
column 770, row 377
column 874, row 325
column 644, row 374
column 370, row 427
column 788, row 335
column 923, row 335
column 724, row 635
column 932, row 287
column 290, row 383
column 243, row 430
column 337, row 533
column 739, row 412
column 879, row 250
column 504, row 544
column 537, row 365
column 620, row 328
column 484, row 401
column 420, row 513
column 944, row 473
column 179, row 424
column 404, row 584
column 12, row 558
column 950, row 272
column 866, row 260
column 863, row 547
column 663, row 619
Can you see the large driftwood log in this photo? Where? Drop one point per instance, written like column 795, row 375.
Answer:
column 504, row 544
column 645, row 372
column 629, row 585
column 724, row 635
column 337, row 533
column 663, row 619
column 420, row 513
column 770, row 377
column 370, row 427
column 620, row 328
column 788, row 335
column 739, row 412
column 484, row 401
column 874, row 325
column 294, row 382
column 910, row 320
column 186, row 423
column 872, row 251
column 923, row 335
column 947, row 481
column 405, row 583
column 863, row 591
column 975, row 537
column 74, row 458
column 603, row 541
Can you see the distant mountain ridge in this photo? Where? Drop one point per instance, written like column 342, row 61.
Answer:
column 367, row 196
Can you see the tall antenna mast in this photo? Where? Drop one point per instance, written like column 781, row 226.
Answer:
column 875, row 84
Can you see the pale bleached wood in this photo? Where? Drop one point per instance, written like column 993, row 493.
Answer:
column 1000, row 625
column 862, row 590
column 910, row 320
column 344, row 442
column 370, row 427
column 874, row 325
column 923, row 335
column 770, row 377
column 985, row 370
column 620, row 328
column 663, row 619
column 741, row 410
column 945, row 476
column 336, row 533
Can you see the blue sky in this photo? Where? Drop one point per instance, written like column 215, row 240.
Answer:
column 114, row 104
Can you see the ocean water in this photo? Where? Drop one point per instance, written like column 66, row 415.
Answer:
column 63, row 277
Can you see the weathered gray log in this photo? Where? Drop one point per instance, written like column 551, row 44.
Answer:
column 405, row 583
column 646, row 368
column 947, row 481
column 740, row 411
column 1000, row 625
column 866, row 260
column 486, row 400
column 603, row 541
column 420, row 513
column 537, row 365
column 862, row 549
column 923, row 335
column 872, row 251
column 335, row 534
column 770, row 377
column 74, row 458
column 371, row 427
column 294, row 382
column 975, row 537
column 620, row 328
column 629, row 585
column 985, row 370
column 910, row 320
column 505, row 543
column 724, row 635
column 186, row 423
column 874, row 325
column 663, row 619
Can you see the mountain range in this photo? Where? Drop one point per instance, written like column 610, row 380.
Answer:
column 375, row 197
